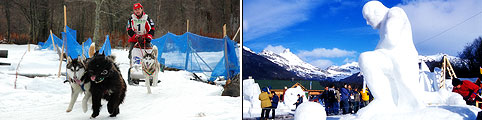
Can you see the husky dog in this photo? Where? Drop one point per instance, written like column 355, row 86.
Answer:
column 106, row 83
column 75, row 73
column 150, row 68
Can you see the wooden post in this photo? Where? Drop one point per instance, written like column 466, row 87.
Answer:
column 65, row 30
column 60, row 63
column 226, row 55
column 224, row 30
column 65, row 18
column 188, row 49
column 29, row 46
column 82, row 47
column 53, row 43
column 236, row 33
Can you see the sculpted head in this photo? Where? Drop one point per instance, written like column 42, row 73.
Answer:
column 374, row 12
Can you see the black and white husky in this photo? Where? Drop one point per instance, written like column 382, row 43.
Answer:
column 75, row 72
column 150, row 68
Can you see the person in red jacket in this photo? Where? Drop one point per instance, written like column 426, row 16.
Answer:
column 139, row 27
column 467, row 89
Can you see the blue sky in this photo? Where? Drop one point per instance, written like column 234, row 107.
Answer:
column 333, row 32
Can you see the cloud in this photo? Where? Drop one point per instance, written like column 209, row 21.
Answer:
column 349, row 60
column 431, row 17
column 325, row 53
column 276, row 49
column 321, row 63
column 264, row 17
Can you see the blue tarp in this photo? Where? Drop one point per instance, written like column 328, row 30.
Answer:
column 233, row 64
column 72, row 32
column 188, row 52
column 72, row 47
column 106, row 49
column 48, row 44
column 86, row 47
column 196, row 53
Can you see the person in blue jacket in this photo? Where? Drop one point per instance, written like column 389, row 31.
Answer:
column 274, row 103
column 344, row 98
column 299, row 101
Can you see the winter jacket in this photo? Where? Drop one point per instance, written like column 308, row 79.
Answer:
column 467, row 90
column 344, row 93
column 337, row 95
column 140, row 26
column 274, row 101
column 299, row 101
column 330, row 95
column 364, row 95
column 357, row 96
column 265, row 101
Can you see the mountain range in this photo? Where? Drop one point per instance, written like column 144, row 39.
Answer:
column 268, row 65
column 294, row 65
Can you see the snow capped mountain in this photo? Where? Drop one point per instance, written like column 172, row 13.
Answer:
column 249, row 50
column 343, row 71
column 455, row 61
column 291, row 62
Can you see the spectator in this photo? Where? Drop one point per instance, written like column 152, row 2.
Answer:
column 264, row 96
column 364, row 97
column 351, row 100
column 337, row 104
column 357, row 100
column 344, row 98
column 330, row 100
column 274, row 103
column 467, row 89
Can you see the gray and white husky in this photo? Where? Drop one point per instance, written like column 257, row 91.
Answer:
column 76, row 68
column 150, row 68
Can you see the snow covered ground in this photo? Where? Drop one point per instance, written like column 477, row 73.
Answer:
column 47, row 97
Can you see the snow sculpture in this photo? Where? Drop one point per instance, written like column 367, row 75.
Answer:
column 391, row 70
column 310, row 111
column 291, row 96
column 251, row 93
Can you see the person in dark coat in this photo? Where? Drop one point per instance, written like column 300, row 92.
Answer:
column 274, row 103
column 344, row 98
column 330, row 100
column 299, row 101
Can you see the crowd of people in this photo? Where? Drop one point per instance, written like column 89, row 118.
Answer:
column 348, row 100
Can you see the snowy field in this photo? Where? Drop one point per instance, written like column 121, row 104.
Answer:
column 47, row 97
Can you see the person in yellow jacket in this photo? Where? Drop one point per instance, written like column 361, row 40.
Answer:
column 265, row 98
column 365, row 97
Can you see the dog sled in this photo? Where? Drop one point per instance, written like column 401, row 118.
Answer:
column 140, row 70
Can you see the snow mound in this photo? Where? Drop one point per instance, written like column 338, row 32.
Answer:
column 310, row 111
column 291, row 96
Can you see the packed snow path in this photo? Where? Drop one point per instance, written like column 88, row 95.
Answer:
column 176, row 97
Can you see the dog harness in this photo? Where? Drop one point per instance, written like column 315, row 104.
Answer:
column 144, row 67
column 147, row 70
column 78, row 82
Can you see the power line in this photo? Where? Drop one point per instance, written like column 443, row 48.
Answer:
column 449, row 28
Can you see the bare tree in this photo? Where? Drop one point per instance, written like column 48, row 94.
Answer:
column 6, row 4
